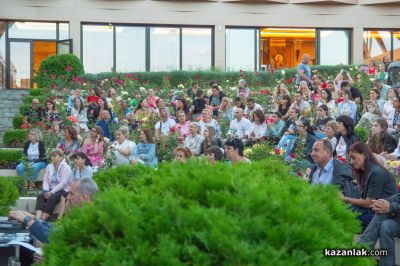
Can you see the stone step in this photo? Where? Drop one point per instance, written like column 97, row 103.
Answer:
column 28, row 204
column 8, row 172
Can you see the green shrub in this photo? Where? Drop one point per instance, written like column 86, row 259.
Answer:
column 28, row 99
column 201, row 214
column 8, row 194
column 35, row 92
column 121, row 176
column 17, row 122
column 57, row 65
column 14, row 138
column 362, row 133
column 9, row 158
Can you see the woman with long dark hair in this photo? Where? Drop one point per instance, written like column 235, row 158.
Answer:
column 284, row 105
column 345, row 136
column 380, row 142
column 80, row 113
column 394, row 117
column 374, row 181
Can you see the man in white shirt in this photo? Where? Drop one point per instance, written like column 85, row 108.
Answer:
column 163, row 127
column 251, row 108
column 300, row 104
column 240, row 126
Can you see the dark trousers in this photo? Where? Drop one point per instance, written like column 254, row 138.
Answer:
column 364, row 215
column 48, row 205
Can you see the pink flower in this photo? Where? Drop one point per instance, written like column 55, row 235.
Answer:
column 292, row 155
column 72, row 118
column 299, row 173
column 68, row 68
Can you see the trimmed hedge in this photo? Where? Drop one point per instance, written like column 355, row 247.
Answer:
column 10, row 158
column 14, row 138
column 57, row 65
column 121, row 176
column 8, row 194
column 202, row 214
column 17, row 122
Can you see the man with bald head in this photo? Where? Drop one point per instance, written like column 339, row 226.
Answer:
column 303, row 70
column 241, row 127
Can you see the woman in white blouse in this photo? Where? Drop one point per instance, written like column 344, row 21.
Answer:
column 194, row 141
column 80, row 114
column 121, row 147
column 259, row 132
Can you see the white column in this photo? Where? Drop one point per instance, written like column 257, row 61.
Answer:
column 357, row 46
column 75, row 35
column 219, row 42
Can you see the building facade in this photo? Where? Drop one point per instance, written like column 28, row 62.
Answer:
column 164, row 35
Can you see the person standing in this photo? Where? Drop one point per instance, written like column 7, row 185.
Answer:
column 303, row 70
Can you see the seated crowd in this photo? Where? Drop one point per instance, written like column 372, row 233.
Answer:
column 103, row 127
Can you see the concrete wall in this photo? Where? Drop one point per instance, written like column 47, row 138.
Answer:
column 219, row 13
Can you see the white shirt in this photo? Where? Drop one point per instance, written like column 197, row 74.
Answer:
column 81, row 118
column 33, row 151
column 259, row 130
column 241, row 128
column 341, row 148
column 388, row 109
column 165, row 126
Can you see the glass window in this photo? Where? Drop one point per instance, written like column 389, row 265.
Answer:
column 130, row 49
column 377, row 44
column 3, row 54
column 396, row 45
column 164, row 49
column 240, row 49
column 20, row 65
column 196, row 48
column 63, row 31
column 32, row 30
column 334, row 47
column 97, row 50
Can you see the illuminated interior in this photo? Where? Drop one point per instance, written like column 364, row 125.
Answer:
column 42, row 50
column 284, row 47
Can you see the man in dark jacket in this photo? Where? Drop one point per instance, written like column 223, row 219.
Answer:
column 385, row 226
column 328, row 170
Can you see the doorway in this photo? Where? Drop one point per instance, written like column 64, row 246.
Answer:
column 284, row 47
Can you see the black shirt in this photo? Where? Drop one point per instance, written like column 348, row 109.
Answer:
column 199, row 105
column 321, row 123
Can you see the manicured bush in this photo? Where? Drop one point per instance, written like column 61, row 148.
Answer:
column 17, row 122
column 14, row 138
column 201, row 214
column 121, row 176
column 67, row 65
column 8, row 194
column 9, row 158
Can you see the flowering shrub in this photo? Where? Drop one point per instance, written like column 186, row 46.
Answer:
column 202, row 214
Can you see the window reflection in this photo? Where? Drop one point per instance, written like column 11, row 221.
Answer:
column 20, row 66
column 32, row 30
column 240, row 49
column 377, row 44
column 97, row 48
column 334, row 47
column 63, row 29
column 164, row 49
column 130, row 49
column 196, row 48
